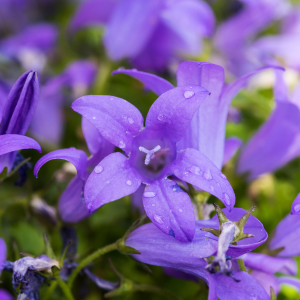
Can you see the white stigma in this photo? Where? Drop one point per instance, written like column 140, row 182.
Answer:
column 149, row 153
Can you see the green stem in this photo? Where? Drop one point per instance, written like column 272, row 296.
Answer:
column 90, row 258
column 241, row 264
column 66, row 290
column 50, row 290
column 156, row 290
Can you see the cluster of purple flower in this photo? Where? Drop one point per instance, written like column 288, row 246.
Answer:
column 171, row 163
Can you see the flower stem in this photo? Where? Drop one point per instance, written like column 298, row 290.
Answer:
column 90, row 258
column 66, row 290
column 241, row 264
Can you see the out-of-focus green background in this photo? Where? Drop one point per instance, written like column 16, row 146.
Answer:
column 22, row 229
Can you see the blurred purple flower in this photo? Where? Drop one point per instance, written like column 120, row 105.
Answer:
column 235, row 36
column 47, row 124
column 153, row 157
column 277, row 141
column 285, row 244
column 4, row 295
column 17, row 114
column 31, row 45
column 159, row 249
column 156, row 32
column 72, row 206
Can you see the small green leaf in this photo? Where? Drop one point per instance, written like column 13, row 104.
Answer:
column 48, row 248
column 128, row 250
column 272, row 294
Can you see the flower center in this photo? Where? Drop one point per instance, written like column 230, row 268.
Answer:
column 149, row 153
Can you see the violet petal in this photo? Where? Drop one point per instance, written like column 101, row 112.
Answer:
column 295, row 209
column 232, row 145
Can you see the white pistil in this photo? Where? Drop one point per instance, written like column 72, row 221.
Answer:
column 149, row 153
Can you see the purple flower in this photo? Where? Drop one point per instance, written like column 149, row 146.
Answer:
column 77, row 77
column 3, row 294
column 156, row 32
column 31, row 45
column 210, row 118
column 159, row 249
column 72, row 206
column 17, row 114
column 152, row 158
column 265, row 152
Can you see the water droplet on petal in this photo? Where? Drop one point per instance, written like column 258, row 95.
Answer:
column 223, row 176
column 122, row 145
column 108, row 181
column 130, row 120
column 207, row 175
column 158, row 219
column 128, row 182
column 195, row 170
column 94, row 118
column 160, row 117
column 212, row 188
column 111, row 98
column 180, row 210
column 149, row 194
column 297, row 208
column 188, row 94
column 153, row 204
column 226, row 199
column 90, row 207
column 98, row 169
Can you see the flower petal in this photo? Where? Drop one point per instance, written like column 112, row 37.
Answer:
column 195, row 168
column 295, row 209
column 77, row 157
column 267, row 281
column 291, row 281
column 253, row 226
column 116, row 119
column 2, row 253
column 210, row 118
column 284, row 122
column 173, row 111
column 92, row 13
column 287, row 235
column 137, row 199
column 20, row 104
column 170, row 209
column 130, row 27
column 4, row 295
column 71, row 206
column 232, row 145
column 112, row 179
column 152, row 82
column 269, row 264
column 14, row 142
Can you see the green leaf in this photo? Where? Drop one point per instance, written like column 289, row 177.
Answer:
column 48, row 248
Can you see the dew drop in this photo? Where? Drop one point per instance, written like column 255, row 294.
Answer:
column 122, row 145
column 180, row 210
column 130, row 120
column 98, row 169
column 149, row 194
column 226, row 199
column 297, row 208
column 223, row 176
column 195, row 170
column 108, row 181
column 207, row 175
column 160, row 117
column 212, row 188
column 90, row 207
column 188, row 94
column 158, row 219
column 111, row 98
column 128, row 182
column 153, row 204
column 94, row 118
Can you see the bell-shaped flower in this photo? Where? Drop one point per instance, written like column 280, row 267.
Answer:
column 47, row 124
column 72, row 208
column 156, row 31
column 159, row 249
column 277, row 140
column 210, row 118
column 282, row 248
column 17, row 114
column 152, row 157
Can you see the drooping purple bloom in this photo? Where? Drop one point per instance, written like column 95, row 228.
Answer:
column 152, row 158
column 17, row 114
column 234, row 37
column 159, row 249
column 210, row 118
column 47, row 123
column 31, row 45
column 156, row 32
column 72, row 208
column 277, row 141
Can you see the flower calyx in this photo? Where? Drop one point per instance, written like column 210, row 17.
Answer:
column 238, row 225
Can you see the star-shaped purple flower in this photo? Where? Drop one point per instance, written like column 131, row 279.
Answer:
column 152, row 158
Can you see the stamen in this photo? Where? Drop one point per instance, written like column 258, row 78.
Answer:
column 149, row 153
